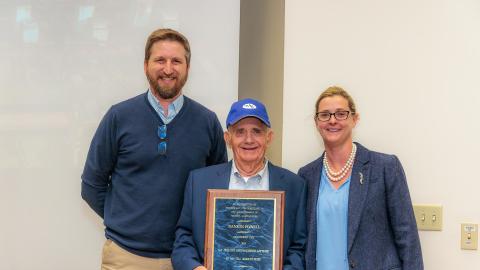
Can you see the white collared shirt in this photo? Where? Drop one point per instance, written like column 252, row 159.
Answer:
column 259, row 181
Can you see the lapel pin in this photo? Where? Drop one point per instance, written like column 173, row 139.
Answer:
column 361, row 178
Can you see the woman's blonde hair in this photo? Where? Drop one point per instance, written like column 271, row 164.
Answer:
column 336, row 91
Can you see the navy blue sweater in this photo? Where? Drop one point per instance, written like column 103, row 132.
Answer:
column 137, row 191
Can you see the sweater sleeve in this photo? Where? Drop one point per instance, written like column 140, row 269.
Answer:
column 99, row 165
column 218, row 153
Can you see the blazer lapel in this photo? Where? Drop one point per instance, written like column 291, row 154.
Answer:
column 223, row 177
column 359, row 182
column 275, row 178
column 313, row 187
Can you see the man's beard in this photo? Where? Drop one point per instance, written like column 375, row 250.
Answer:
column 167, row 93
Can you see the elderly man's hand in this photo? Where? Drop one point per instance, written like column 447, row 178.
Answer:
column 200, row 268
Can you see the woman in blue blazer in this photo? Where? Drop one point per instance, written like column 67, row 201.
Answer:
column 359, row 212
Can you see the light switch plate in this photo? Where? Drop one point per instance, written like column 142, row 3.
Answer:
column 428, row 217
column 469, row 236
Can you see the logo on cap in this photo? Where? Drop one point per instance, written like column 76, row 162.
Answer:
column 249, row 106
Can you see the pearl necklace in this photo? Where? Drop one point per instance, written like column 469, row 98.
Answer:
column 337, row 176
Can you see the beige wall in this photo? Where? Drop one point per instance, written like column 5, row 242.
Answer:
column 261, row 62
column 413, row 68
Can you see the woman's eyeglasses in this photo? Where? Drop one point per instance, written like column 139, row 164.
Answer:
column 325, row 116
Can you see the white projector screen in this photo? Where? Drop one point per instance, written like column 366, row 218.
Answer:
column 62, row 65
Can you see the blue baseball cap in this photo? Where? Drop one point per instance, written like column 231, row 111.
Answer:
column 247, row 108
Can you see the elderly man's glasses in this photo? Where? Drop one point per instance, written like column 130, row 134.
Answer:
column 162, row 134
column 325, row 116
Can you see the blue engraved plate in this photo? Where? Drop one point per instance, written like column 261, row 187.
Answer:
column 244, row 234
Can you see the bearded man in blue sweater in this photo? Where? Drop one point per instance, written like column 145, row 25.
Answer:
column 140, row 157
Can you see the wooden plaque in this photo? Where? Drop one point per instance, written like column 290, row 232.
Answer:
column 244, row 229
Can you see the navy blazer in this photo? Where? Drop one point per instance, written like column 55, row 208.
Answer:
column 188, row 249
column 382, row 232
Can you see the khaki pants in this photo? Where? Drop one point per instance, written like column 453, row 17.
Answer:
column 117, row 258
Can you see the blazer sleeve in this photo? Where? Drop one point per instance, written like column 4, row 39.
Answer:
column 184, row 254
column 295, row 258
column 402, row 218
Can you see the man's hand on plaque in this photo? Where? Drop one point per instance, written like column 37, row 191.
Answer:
column 200, row 268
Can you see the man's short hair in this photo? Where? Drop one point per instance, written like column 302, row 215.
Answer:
column 170, row 35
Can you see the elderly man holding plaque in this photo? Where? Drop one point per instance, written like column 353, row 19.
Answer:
column 239, row 226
